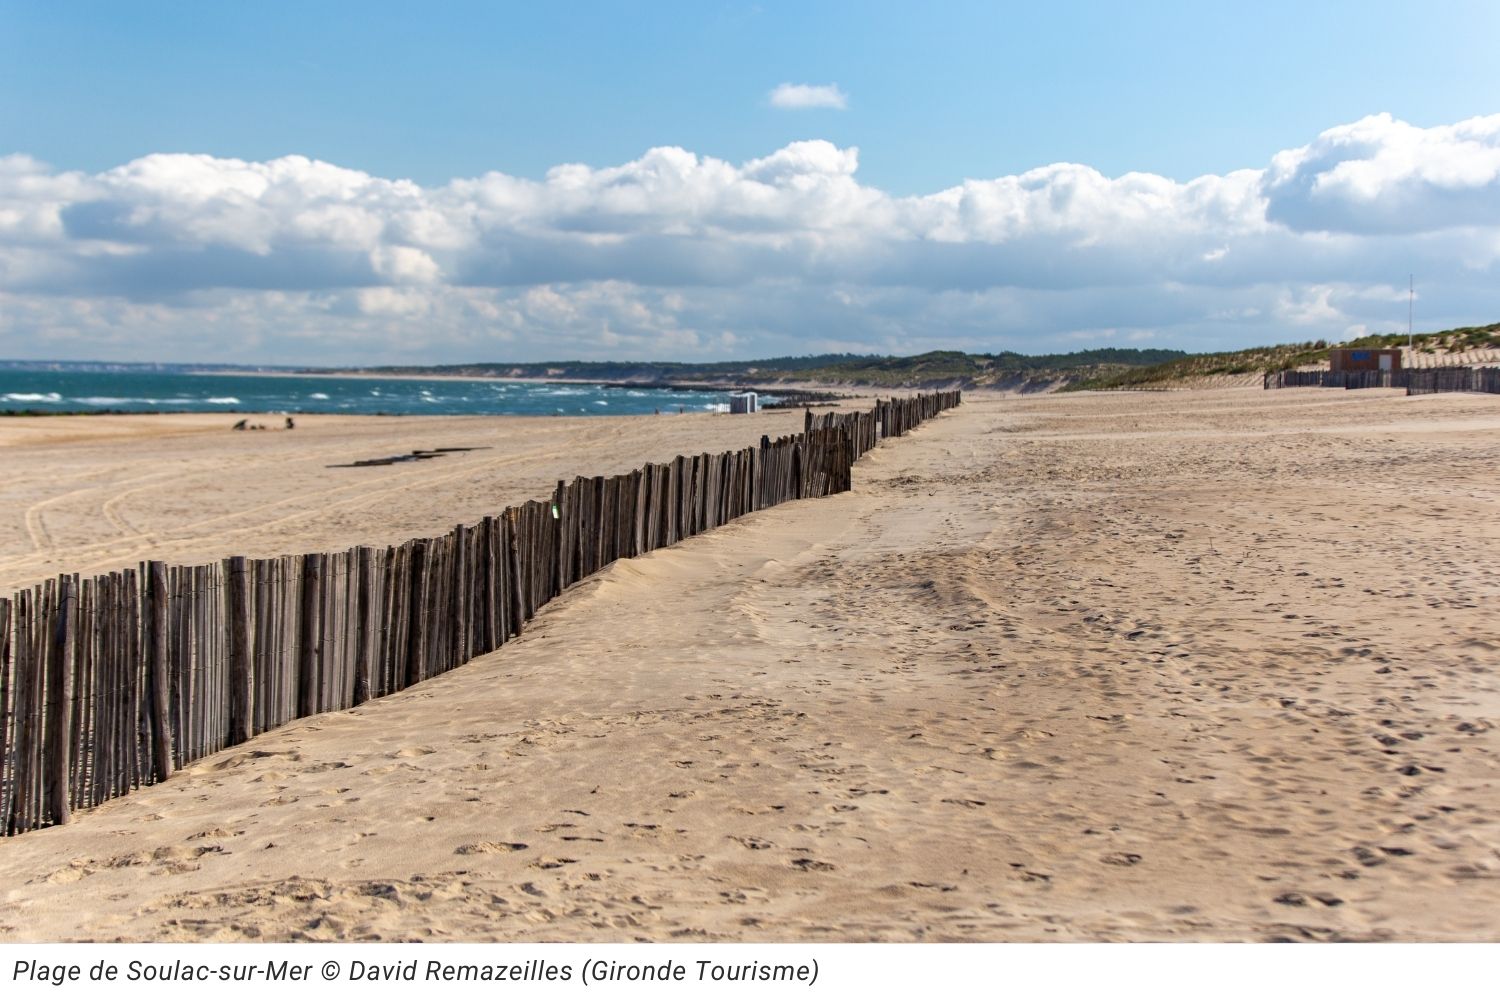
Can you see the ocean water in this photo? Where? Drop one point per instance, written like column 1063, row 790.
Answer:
column 148, row 392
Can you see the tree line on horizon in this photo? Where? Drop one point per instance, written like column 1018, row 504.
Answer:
column 1092, row 368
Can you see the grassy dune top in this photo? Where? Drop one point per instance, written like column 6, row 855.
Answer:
column 1255, row 360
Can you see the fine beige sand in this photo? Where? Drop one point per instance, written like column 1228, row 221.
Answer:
column 97, row 493
column 1131, row 666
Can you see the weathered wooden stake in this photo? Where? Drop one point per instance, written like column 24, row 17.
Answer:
column 60, row 689
column 159, row 676
column 310, row 635
column 241, row 678
column 416, row 650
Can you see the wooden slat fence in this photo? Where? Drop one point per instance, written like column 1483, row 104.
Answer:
column 113, row 682
column 1416, row 381
column 1422, row 381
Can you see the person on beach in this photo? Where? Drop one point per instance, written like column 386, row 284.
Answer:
column 290, row 424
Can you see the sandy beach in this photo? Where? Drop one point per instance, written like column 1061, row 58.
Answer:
column 1210, row 665
column 88, row 494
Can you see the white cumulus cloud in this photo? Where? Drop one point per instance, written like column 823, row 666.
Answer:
column 1380, row 175
column 676, row 253
column 797, row 96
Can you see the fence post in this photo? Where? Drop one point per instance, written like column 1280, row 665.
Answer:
column 364, row 660
column 7, row 768
column 416, row 632
column 241, row 696
column 60, row 687
column 310, row 635
column 160, row 679
column 560, row 505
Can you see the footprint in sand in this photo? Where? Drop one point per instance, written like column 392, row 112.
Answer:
column 78, row 869
column 491, row 847
column 1299, row 899
column 250, row 756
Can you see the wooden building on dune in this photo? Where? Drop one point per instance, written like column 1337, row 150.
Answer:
column 1364, row 359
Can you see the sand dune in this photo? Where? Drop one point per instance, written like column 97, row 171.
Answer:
column 1214, row 665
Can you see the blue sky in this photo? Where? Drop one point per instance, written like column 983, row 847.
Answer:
column 937, row 95
column 95, row 98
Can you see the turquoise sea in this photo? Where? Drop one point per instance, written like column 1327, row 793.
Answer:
column 179, row 392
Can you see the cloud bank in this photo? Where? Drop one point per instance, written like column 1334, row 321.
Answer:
column 679, row 255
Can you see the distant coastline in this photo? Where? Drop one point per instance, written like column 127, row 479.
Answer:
column 56, row 390
column 808, row 390
column 1004, row 371
column 803, row 392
